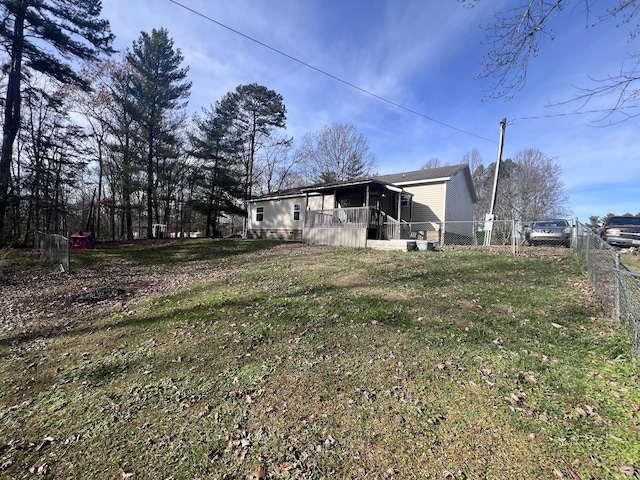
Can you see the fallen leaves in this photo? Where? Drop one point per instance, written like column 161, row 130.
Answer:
column 629, row 471
column 259, row 473
column 283, row 468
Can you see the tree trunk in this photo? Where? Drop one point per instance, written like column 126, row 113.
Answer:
column 150, row 190
column 11, row 114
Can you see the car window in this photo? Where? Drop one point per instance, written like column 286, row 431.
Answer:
column 624, row 221
column 553, row 223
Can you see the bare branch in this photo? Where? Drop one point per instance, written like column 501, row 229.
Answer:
column 624, row 90
column 514, row 38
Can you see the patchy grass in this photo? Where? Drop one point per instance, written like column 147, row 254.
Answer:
column 632, row 262
column 330, row 363
column 19, row 259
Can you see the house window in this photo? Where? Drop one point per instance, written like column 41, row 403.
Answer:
column 296, row 212
column 259, row 214
column 404, row 200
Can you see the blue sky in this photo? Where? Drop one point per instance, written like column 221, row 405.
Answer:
column 422, row 55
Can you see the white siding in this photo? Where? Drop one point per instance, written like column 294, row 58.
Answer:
column 315, row 202
column 277, row 220
column 277, row 213
column 428, row 203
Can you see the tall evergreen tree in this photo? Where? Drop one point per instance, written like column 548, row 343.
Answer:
column 218, row 145
column 157, row 88
column 259, row 112
column 32, row 32
column 125, row 145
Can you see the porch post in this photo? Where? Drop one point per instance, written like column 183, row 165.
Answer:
column 399, row 197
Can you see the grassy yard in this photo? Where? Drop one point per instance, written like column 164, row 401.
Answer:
column 294, row 361
column 631, row 262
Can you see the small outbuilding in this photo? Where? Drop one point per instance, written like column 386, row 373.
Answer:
column 83, row 241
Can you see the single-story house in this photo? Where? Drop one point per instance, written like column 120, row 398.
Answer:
column 404, row 205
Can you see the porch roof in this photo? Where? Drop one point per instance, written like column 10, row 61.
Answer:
column 349, row 184
column 322, row 188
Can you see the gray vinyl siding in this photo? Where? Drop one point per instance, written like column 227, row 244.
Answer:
column 459, row 205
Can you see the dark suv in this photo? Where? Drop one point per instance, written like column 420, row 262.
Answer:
column 621, row 231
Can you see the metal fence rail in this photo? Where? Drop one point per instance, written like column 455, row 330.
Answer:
column 56, row 247
column 462, row 233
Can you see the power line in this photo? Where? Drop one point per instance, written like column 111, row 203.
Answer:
column 333, row 77
column 561, row 114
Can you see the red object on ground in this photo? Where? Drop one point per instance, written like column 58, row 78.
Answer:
column 82, row 240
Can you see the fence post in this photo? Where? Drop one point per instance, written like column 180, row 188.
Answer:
column 617, row 287
column 68, row 255
column 586, row 251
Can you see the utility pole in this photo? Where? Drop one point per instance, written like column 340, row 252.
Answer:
column 490, row 217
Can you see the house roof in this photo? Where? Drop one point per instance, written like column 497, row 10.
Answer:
column 328, row 187
column 349, row 183
column 392, row 182
column 431, row 175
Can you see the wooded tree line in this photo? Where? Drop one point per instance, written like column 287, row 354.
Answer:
column 529, row 186
column 110, row 148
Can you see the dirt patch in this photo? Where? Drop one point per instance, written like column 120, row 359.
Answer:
column 40, row 302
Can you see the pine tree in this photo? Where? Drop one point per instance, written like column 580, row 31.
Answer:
column 32, row 32
column 259, row 111
column 157, row 87
column 217, row 144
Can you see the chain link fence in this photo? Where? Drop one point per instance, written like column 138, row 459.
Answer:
column 56, row 247
column 616, row 287
column 499, row 234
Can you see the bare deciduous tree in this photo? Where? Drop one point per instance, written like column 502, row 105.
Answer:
column 473, row 158
column 433, row 162
column 336, row 153
column 277, row 168
column 539, row 192
column 530, row 187
column 516, row 36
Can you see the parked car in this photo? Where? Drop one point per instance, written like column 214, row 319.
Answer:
column 545, row 232
column 621, row 231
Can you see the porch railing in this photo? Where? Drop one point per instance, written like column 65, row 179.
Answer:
column 348, row 217
column 391, row 228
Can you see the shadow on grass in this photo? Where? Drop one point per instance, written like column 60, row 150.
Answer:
column 169, row 252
